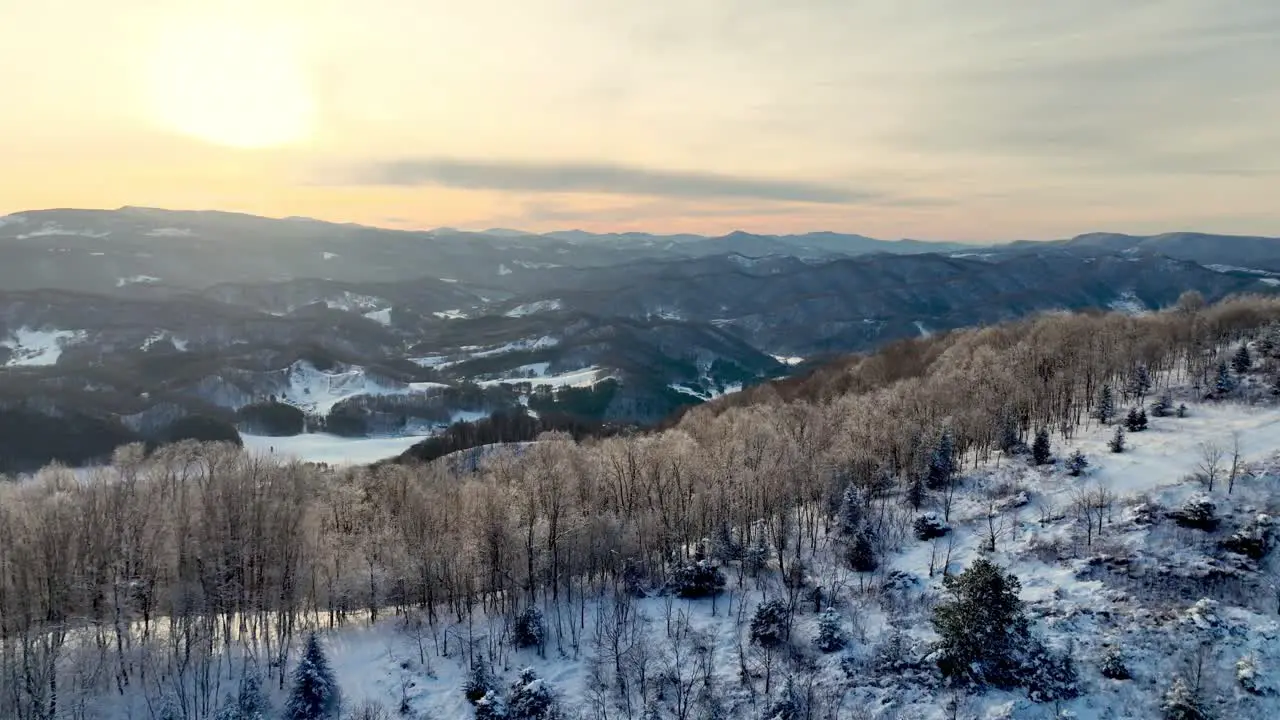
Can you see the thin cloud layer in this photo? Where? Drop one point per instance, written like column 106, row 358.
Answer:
column 986, row 119
column 595, row 178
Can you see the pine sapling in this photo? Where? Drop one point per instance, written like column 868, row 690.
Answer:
column 1117, row 441
column 1041, row 452
column 1077, row 464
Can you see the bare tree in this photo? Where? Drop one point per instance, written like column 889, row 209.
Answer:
column 1209, row 468
column 1236, row 463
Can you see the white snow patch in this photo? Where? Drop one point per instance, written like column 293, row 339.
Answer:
column 1235, row 268
column 924, row 331
column 38, row 348
column 533, row 307
column 1129, row 304
column 351, row 302
column 747, row 262
column 161, row 335
column 585, row 377
column 331, row 449
column 319, row 391
column 1269, row 281
column 382, row 316
column 170, row 232
column 448, row 280
column 504, row 270
column 433, row 361
column 788, row 360
column 535, row 265
column 328, row 255
column 455, row 314
column 533, row 344
column 49, row 229
column 137, row 280
column 708, row 391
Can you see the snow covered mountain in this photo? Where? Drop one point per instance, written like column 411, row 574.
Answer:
column 151, row 313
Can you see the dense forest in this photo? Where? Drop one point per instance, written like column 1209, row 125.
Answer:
column 137, row 575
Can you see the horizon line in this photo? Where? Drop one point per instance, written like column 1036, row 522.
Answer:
column 495, row 228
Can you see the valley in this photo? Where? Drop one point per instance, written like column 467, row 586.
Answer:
column 137, row 318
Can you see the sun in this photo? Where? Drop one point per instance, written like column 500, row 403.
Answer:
column 231, row 83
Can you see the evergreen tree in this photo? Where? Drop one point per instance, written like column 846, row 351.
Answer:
column 1182, row 410
column 771, row 624
column 1275, row 385
column 1140, row 383
column 942, row 462
column 1162, row 407
column 491, row 707
column 529, row 630
column 1117, row 441
column 724, row 547
column 1113, row 666
column 315, row 692
column 1106, row 409
column 1077, row 464
column 1242, row 361
column 850, row 512
column 1182, row 703
column 252, row 702
column 1225, row 383
column 983, row 627
column 830, row 637
column 1050, row 676
column 1136, row 420
column 480, row 682
column 531, row 698
column 1008, row 434
column 170, row 709
column 1041, row 452
column 915, row 491
column 861, row 553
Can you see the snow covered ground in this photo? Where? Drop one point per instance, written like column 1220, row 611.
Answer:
column 586, row 377
column 1070, row 602
column 319, row 391
column 31, row 347
column 331, row 449
column 534, row 307
column 1167, row 597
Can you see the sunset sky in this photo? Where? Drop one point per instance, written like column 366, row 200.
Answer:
column 939, row 119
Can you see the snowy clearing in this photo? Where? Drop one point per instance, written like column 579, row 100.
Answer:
column 319, row 391
column 533, row 307
column 331, row 449
column 352, row 302
column 33, row 348
column 170, row 232
column 585, row 377
column 1129, row 304
column 382, row 317
column 137, row 280
column 50, row 229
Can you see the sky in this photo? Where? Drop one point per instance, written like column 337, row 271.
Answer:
column 979, row 120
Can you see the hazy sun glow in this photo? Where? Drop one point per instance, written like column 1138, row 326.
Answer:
column 231, row 83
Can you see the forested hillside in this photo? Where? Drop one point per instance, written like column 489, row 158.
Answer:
column 845, row 544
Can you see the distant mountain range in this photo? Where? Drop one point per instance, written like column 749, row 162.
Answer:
column 142, row 315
